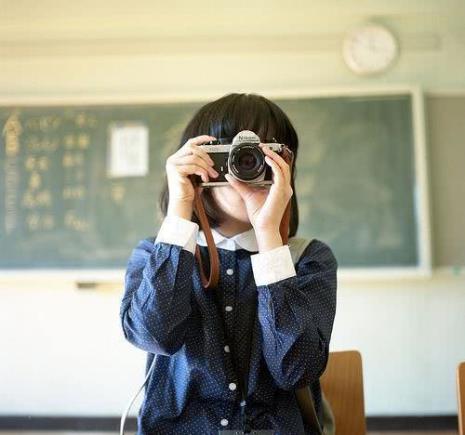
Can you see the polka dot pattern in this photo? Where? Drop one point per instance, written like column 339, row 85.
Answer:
column 274, row 338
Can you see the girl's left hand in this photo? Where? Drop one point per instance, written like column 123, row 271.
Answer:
column 265, row 207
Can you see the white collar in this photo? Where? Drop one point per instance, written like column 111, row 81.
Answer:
column 245, row 240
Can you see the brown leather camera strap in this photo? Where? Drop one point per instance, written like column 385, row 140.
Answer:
column 212, row 280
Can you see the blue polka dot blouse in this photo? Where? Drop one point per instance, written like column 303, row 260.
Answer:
column 228, row 358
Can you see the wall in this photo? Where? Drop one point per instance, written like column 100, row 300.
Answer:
column 63, row 350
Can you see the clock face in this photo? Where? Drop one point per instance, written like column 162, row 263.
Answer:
column 369, row 49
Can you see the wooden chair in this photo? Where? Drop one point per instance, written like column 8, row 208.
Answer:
column 342, row 385
column 461, row 397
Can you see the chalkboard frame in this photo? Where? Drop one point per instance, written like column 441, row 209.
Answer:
column 423, row 269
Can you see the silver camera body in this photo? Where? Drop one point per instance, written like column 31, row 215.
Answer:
column 243, row 159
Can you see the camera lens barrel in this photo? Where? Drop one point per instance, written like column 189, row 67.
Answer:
column 247, row 161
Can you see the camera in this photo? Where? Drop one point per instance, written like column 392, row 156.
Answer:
column 242, row 158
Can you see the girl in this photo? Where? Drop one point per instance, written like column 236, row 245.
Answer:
column 230, row 358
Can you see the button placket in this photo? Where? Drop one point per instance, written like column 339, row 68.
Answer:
column 229, row 295
column 227, row 308
column 228, row 313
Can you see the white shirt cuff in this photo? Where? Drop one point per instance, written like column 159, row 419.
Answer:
column 178, row 231
column 272, row 266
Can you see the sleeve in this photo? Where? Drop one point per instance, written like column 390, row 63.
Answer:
column 272, row 266
column 296, row 312
column 178, row 231
column 156, row 304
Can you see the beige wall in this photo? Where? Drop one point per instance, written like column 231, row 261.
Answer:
column 62, row 349
column 163, row 48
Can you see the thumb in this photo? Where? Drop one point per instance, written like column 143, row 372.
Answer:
column 239, row 187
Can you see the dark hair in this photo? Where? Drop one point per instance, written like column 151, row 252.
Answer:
column 224, row 118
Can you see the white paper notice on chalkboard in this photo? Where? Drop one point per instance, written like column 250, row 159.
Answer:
column 128, row 151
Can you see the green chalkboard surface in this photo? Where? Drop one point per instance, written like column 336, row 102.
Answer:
column 63, row 208
column 356, row 177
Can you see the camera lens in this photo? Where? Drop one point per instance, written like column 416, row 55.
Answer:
column 247, row 161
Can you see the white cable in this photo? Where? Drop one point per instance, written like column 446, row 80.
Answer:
column 126, row 412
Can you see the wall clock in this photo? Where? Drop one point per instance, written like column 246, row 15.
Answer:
column 370, row 49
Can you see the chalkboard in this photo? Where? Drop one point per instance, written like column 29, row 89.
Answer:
column 61, row 208
column 356, row 177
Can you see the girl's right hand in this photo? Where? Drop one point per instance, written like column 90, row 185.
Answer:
column 188, row 160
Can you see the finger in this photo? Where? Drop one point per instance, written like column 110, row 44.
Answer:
column 279, row 160
column 198, row 140
column 202, row 154
column 279, row 179
column 195, row 159
column 192, row 143
column 193, row 169
column 240, row 187
column 194, row 149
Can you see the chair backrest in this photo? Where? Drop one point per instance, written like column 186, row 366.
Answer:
column 342, row 384
column 461, row 396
